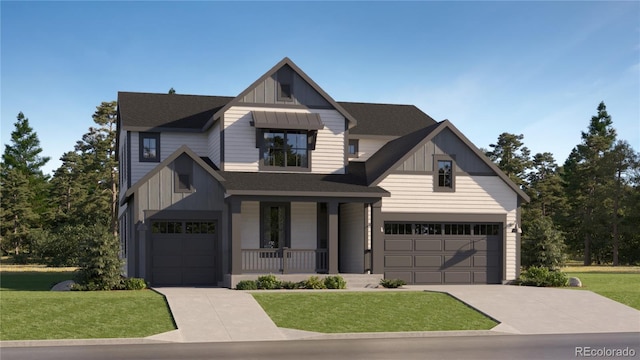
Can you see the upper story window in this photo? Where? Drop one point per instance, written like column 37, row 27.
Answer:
column 285, row 149
column 285, row 92
column 353, row 148
column 149, row 147
column 444, row 174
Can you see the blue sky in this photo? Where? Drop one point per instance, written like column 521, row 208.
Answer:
column 533, row 68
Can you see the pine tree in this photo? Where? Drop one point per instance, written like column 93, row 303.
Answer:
column 586, row 178
column 511, row 156
column 24, row 186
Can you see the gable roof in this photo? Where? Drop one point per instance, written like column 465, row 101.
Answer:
column 146, row 111
column 284, row 62
column 184, row 149
column 386, row 119
column 395, row 152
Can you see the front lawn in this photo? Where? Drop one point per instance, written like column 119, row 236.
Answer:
column 384, row 311
column 621, row 284
column 28, row 311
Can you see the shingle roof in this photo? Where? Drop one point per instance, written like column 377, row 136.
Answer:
column 386, row 119
column 148, row 110
column 297, row 184
column 152, row 110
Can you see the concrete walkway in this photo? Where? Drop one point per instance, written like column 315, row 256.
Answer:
column 214, row 314
column 532, row 310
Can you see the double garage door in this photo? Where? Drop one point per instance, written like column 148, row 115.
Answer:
column 443, row 253
column 183, row 252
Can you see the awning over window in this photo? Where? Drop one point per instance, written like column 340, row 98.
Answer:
column 286, row 120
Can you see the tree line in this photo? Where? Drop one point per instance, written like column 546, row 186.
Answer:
column 588, row 207
column 56, row 219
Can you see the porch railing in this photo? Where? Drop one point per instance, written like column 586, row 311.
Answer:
column 284, row 261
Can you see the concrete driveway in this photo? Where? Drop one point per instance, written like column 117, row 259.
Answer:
column 215, row 314
column 532, row 310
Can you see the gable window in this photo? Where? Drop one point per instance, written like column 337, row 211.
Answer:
column 284, row 92
column 274, row 225
column 353, row 148
column 444, row 174
column 149, row 147
column 183, row 170
column 285, row 149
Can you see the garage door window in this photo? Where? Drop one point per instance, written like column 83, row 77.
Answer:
column 201, row 227
column 397, row 228
column 166, row 227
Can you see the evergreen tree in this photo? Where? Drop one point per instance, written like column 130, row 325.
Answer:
column 586, row 177
column 100, row 264
column 543, row 245
column 544, row 187
column 511, row 156
column 24, row 186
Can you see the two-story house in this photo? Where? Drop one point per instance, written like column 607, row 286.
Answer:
column 284, row 179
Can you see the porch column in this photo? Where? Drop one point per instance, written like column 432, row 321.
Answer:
column 332, row 237
column 235, row 219
column 377, row 239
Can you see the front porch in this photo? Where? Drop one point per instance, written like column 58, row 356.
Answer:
column 300, row 236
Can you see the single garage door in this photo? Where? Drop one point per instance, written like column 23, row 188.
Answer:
column 443, row 253
column 183, row 252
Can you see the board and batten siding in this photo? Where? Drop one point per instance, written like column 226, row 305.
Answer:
column 241, row 154
column 368, row 147
column 352, row 231
column 158, row 192
column 304, row 225
column 123, row 157
column 213, row 143
column 474, row 195
column 169, row 143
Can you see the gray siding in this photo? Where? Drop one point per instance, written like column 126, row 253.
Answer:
column 267, row 91
column 445, row 143
column 352, row 232
column 158, row 193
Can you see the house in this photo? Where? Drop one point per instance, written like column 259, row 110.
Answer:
column 284, row 179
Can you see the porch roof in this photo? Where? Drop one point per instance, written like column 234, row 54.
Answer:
column 298, row 184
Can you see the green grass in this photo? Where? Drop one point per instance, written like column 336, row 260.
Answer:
column 28, row 311
column 337, row 312
column 621, row 287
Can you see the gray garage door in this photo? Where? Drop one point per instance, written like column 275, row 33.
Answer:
column 183, row 252
column 443, row 253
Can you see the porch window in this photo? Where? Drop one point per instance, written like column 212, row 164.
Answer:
column 275, row 226
column 284, row 148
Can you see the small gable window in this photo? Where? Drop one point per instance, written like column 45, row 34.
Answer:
column 149, row 147
column 183, row 169
column 285, row 92
column 353, row 148
column 444, row 174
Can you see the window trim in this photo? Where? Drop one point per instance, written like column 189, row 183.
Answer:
column 183, row 166
column 287, row 223
column 436, row 173
column 281, row 95
column 148, row 135
column 262, row 144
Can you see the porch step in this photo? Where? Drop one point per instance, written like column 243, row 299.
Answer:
column 361, row 280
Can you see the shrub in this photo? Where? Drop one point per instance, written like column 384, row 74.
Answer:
column 289, row 285
column 392, row 283
column 100, row 262
column 247, row 285
column 335, row 282
column 542, row 276
column 133, row 284
column 313, row 282
column 62, row 247
column 543, row 245
column 268, row 282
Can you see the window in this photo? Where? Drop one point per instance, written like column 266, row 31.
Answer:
column 274, row 226
column 149, row 147
column 284, row 92
column 284, row 148
column 444, row 174
column 353, row 148
column 166, row 227
column 183, row 170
